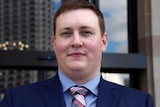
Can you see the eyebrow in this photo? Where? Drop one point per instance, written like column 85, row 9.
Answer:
column 86, row 28
column 65, row 28
column 81, row 27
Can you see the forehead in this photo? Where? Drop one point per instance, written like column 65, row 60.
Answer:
column 78, row 16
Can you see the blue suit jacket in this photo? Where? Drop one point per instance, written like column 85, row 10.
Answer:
column 48, row 93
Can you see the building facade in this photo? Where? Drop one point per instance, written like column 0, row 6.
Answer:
column 148, row 39
column 24, row 25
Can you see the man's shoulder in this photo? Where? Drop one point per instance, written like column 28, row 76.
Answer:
column 33, row 86
column 125, row 90
column 31, row 94
column 125, row 96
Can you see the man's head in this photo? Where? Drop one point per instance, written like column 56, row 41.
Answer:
column 79, row 4
column 79, row 40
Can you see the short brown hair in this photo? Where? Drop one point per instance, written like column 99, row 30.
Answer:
column 79, row 4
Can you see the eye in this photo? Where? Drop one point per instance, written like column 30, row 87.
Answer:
column 66, row 33
column 86, row 33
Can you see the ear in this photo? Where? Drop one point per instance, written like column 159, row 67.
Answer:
column 54, row 42
column 104, row 42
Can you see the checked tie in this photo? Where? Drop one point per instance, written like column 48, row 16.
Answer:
column 78, row 96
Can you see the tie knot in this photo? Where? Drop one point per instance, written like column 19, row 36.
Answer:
column 78, row 90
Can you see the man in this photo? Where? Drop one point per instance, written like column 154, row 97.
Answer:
column 79, row 40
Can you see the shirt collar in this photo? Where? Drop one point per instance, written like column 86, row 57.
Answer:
column 67, row 83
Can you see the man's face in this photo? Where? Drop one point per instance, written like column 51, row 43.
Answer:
column 78, row 44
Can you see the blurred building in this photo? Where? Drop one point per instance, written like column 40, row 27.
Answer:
column 24, row 25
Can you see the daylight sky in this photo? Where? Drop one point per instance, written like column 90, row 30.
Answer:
column 115, row 14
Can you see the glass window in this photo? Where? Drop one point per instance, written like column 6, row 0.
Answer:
column 23, row 3
column 119, row 78
column 115, row 14
column 32, row 2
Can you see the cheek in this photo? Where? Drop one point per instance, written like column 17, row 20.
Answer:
column 94, row 45
column 60, row 46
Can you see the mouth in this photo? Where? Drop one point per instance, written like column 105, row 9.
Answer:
column 76, row 54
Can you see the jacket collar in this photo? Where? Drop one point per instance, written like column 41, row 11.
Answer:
column 52, row 93
column 107, row 94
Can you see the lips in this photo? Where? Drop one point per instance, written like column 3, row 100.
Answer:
column 76, row 54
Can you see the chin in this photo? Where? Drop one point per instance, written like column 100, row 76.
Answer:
column 77, row 68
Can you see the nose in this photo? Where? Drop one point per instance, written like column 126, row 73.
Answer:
column 76, row 41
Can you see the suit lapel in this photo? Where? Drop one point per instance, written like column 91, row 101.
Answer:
column 107, row 95
column 52, row 94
